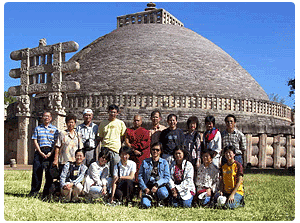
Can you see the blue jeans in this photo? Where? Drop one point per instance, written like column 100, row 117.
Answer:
column 236, row 203
column 95, row 191
column 178, row 201
column 162, row 193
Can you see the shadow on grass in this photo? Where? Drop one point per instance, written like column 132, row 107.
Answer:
column 16, row 194
column 279, row 172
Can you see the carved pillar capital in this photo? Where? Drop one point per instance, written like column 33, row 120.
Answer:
column 55, row 102
column 23, row 105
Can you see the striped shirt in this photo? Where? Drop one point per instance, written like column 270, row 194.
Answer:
column 45, row 136
column 236, row 138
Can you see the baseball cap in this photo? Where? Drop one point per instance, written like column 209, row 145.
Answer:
column 87, row 110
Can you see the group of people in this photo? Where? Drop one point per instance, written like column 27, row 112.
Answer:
column 162, row 165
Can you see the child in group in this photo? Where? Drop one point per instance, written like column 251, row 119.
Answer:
column 207, row 178
column 96, row 181
column 72, row 176
column 123, row 177
column 231, row 185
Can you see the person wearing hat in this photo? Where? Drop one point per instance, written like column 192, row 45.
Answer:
column 88, row 130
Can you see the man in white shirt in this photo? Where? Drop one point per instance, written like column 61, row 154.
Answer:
column 89, row 131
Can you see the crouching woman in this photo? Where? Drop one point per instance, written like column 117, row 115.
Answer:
column 72, row 176
column 182, row 179
column 96, row 180
column 153, row 177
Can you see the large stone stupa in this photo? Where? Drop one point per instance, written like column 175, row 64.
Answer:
column 151, row 61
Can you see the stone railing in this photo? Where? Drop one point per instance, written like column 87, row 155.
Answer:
column 267, row 151
column 179, row 101
column 159, row 16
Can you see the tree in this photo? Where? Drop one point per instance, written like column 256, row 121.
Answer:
column 291, row 83
column 276, row 98
column 9, row 99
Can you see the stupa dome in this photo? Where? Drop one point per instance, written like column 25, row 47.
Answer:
column 165, row 59
column 151, row 61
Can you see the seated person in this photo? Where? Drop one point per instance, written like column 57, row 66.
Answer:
column 154, row 175
column 71, row 177
column 231, row 179
column 96, row 180
column 123, row 177
column 182, row 179
column 207, row 178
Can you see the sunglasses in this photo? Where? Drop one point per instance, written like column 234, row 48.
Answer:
column 157, row 150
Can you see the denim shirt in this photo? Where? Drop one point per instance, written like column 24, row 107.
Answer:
column 65, row 174
column 145, row 172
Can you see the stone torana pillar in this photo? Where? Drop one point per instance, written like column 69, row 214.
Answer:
column 41, row 72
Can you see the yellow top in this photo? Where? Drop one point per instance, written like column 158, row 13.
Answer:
column 230, row 177
column 111, row 132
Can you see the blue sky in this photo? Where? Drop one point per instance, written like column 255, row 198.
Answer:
column 259, row 36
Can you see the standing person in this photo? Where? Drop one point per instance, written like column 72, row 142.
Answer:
column 182, row 179
column 88, row 131
column 207, row 178
column 71, row 177
column 154, row 175
column 123, row 177
column 212, row 140
column 44, row 137
column 170, row 138
column 138, row 139
column 156, row 128
column 111, row 133
column 96, row 181
column 231, row 179
column 192, row 141
column 67, row 143
column 232, row 136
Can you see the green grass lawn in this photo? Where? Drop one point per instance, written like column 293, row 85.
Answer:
column 268, row 197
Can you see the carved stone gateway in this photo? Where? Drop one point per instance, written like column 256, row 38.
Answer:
column 42, row 71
